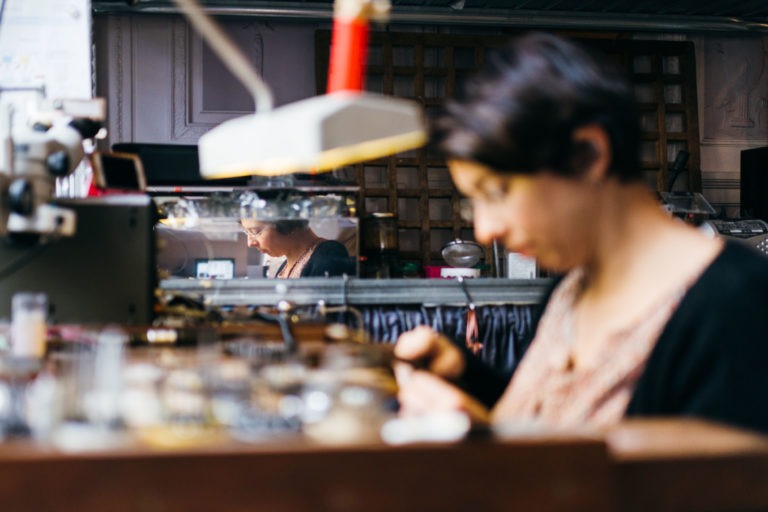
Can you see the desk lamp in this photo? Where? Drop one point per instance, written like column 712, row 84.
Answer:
column 341, row 127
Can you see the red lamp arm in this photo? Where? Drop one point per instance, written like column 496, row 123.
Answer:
column 349, row 44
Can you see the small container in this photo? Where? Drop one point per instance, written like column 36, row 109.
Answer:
column 433, row 271
column 28, row 324
column 379, row 246
column 520, row 267
column 379, row 234
column 454, row 272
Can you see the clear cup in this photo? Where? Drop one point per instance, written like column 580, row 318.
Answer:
column 29, row 311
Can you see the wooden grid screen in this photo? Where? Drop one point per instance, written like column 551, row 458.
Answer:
column 664, row 77
column 426, row 68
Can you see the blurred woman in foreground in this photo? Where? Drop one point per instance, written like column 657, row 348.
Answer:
column 651, row 316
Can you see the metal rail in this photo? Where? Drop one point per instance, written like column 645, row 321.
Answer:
column 340, row 291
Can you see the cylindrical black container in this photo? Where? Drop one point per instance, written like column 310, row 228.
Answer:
column 379, row 234
column 379, row 246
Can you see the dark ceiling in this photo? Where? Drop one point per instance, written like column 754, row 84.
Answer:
column 753, row 10
column 684, row 15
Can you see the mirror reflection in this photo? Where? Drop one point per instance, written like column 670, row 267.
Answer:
column 300, row 250
column 251, row 249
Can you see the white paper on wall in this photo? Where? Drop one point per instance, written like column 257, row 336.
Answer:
column 44, row 45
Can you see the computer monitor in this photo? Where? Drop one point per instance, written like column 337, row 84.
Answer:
column 105, row 273
column 216, row 268
column 172, row 165
column 118, row 171
column 186, row 253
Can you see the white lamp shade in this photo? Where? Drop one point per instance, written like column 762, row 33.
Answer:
column 316, row 134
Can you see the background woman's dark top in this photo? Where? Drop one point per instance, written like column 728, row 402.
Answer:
column 330, row 258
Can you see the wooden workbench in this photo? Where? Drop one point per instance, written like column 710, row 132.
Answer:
column 641, row 465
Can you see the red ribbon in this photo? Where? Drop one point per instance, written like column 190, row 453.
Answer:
column 473, row 333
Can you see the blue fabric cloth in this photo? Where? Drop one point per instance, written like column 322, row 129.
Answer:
column 502, row 328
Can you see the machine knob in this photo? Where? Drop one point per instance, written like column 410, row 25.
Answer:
column 21, row 197
column 58, row 163
column 87, row 128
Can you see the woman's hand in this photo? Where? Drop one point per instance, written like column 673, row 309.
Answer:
column 427, row 392
column 425, row 347
column 421, row 393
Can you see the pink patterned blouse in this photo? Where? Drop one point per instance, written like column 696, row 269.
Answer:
column 547, row 390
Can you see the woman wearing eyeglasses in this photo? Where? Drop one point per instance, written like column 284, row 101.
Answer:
column 306, row 254
column 651, row 317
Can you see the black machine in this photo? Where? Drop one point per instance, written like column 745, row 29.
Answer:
column 753, row 232
column 754, row 183
column 104, row 273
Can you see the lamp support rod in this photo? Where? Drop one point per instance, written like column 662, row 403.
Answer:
column 229, row 53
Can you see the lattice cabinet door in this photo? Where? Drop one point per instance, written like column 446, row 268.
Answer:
column 427, row 68
column 664, row 76
column 415, row 185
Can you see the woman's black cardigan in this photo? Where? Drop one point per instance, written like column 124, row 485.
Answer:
column 711, row 360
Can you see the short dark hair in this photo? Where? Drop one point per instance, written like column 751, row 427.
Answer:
column 285, row 227
column 519, row 112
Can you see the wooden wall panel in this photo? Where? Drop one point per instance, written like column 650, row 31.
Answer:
column 163, row 84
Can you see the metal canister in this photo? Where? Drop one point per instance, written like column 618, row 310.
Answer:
column 379, row 246
column 379, row 234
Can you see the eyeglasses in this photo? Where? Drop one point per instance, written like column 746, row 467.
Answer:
column 252, row 232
